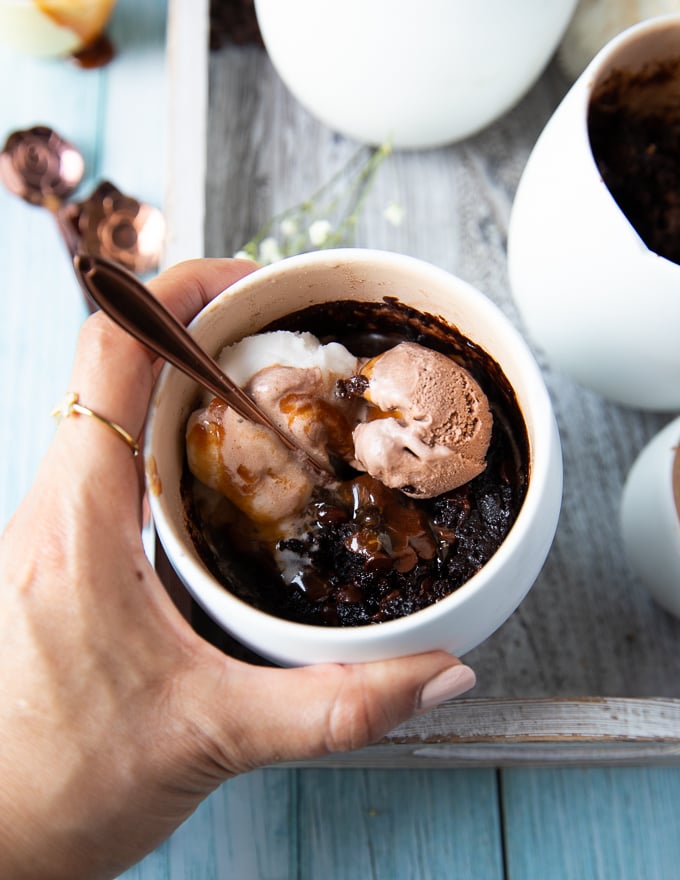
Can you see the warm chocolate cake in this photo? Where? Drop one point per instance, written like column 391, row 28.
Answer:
column 371, row 553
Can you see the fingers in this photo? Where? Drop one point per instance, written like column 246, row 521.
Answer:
column 187, row 287
column 113, row 374
column 264, row 716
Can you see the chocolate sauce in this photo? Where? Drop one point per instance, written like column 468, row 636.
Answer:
column 370, row 553
column 634, row 128
column 96, row 54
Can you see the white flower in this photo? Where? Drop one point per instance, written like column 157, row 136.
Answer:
column 394, row 213
column 269, row 250
column 319, row 232
column 289, row 227
column 242, row 255
column 338, row 202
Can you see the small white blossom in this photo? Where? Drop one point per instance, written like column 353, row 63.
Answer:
column 269, row 250
column 242, row 255
column 394, row 213
column 319, row 232
column 289, row 227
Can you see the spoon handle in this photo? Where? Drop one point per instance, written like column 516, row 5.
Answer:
column 134, row 308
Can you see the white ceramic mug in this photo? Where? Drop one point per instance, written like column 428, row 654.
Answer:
column 416, row 74
column 456, row 623
column 603, row 307
column 650, row 517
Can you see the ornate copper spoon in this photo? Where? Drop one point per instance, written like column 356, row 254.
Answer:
column 133, row 307
column 42, row 168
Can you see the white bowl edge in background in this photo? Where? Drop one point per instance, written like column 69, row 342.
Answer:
column 417, row 75
column 650, row 519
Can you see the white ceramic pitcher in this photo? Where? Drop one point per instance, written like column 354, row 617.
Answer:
column 603, row 307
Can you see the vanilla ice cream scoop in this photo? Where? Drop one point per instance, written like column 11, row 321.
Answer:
column 247, row 463
column 429, row 424
column 292, row 378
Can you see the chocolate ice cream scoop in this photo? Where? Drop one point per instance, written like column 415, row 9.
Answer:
column 429, row 424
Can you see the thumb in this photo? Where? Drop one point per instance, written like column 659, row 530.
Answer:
column 259, row 716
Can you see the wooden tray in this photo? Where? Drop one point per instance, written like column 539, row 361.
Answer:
column 587, row 670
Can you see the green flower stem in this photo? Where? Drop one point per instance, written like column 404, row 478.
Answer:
column 339, row 202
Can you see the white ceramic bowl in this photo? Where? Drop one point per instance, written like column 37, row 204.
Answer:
column 650, row 517
column 602, row 306
column 418, row 74
column 470, row 614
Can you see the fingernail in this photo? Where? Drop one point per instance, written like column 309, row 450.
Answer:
column 450, row 683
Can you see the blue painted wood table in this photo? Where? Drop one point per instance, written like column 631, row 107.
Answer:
column 136, row 122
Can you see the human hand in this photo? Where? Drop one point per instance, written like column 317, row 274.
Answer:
column 116, row 718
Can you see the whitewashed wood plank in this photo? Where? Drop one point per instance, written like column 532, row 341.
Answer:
column 598, row 719
column 52, row 92
column 405, row 825
column 500, row 754
column 132, row 143
column 300, row 825
column 41, row 308
column 246, row 829
column 93, row 109
column 539, row 732
column 255, row 826
column 264, row 155
column 477, row 720
column 592, row 824
column 187, row 47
